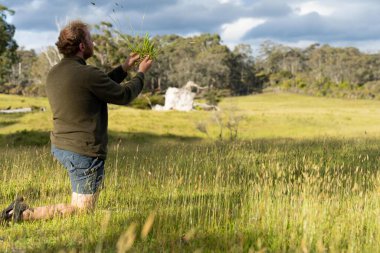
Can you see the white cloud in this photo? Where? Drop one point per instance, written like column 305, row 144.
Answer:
column 36, row 40
column 314, row 6
column 299, row 44
column 233, row 32
column 193, row 34
column 237, row 21
column 367, row 46
column 236, row 2
column 36, row 4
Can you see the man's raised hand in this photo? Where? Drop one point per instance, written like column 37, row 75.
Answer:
column 132, row 58
column 145, row 64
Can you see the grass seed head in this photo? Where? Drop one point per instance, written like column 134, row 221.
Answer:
column 147, row 226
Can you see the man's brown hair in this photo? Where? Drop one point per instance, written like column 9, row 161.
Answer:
column 71, row 36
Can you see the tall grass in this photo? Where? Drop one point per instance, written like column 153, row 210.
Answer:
column 303, row 177
column 280, row 195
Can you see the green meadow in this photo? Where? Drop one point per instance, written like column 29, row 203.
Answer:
column 266, row 173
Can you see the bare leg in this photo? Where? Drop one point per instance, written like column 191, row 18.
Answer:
column 84, row 202
column 48, row 212
column 79, row 203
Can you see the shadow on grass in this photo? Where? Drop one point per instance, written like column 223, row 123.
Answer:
column 261, row 145
column 9, row 119
column 25, row 138
column 42, row 138
column 143, row 137
column 7, row 123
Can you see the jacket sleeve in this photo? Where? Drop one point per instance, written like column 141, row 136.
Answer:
column 106, row 87
column 117, row 74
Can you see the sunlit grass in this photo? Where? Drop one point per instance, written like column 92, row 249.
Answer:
column 303, row 177
column 279, row 195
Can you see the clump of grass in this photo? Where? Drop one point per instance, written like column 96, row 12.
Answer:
column 142, row 46
column 145, row 47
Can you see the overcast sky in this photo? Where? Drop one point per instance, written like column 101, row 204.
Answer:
column 294, row 22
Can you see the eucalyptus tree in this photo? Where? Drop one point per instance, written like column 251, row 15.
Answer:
column 8, row 45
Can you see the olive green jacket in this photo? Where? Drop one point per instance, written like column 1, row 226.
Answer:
column 78, row 95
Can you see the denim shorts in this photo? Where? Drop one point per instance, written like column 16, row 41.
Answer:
column 86, row 173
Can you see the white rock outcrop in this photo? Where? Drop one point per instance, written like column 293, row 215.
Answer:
column 177, row 99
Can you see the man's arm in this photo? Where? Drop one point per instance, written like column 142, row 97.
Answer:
column 120, row 73
column 117, row 74
column 109, row 91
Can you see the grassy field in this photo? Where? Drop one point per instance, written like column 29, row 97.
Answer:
column 262, row 116
column 301, row 176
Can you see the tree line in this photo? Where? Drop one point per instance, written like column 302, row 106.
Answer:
column 202, row 59
column 320, row 70
column 316, row 70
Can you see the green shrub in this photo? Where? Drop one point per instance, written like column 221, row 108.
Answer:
column 212, row 97
column 286, row 84
column 157, row 99
column 146, row 101
column 301, row 83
